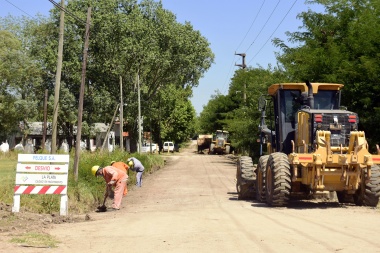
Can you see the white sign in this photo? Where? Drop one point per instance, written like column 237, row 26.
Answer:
column 43, row 158
column 52, row 168
column 41, row 179
column 41, row 174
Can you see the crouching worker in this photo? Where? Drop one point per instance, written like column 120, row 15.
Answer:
column 114, row 178
column 135, row 165
column 124, row 167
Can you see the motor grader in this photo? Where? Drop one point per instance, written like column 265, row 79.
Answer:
column 309, row 144
column 220, row 143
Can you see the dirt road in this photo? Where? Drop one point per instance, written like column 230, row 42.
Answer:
column 191, row 206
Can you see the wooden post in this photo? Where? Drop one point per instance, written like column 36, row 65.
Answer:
column 81, row 95
column 45, row 121
column 58, row 80
column 121, row 114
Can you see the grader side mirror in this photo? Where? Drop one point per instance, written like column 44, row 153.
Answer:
column 262, row 103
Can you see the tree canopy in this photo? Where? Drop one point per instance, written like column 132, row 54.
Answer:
column 127, row 38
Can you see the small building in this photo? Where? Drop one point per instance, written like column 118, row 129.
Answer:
column 32, row 134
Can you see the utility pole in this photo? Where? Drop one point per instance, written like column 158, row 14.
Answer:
column 81, row 95
column 121, row 114
column 45, row 121
column 139, row 109
column 58, row 80
column 243, row 66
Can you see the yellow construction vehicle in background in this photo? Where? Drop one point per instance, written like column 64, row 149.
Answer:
column 309, row 144
column 220, row 143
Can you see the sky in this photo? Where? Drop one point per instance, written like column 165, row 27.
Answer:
column 239, row 26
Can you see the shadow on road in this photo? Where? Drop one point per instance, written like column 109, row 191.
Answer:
column 306, row 204
column 296, row 204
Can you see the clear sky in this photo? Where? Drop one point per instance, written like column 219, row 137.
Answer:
column 241, row 26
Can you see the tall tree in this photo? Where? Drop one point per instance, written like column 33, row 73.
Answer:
column 20, row 76
column 127, row 37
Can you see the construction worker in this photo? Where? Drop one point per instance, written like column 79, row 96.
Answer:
column 135, row 165
column 124, row 167
column 114, row 178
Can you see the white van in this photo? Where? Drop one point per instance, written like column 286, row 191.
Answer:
column 168, row 146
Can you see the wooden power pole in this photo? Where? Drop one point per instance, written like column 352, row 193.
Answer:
column 45, row 121
column 243, row 66
column 81, row 95
column 58, row 79
column 121, row 115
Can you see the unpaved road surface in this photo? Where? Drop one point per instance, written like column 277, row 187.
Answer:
column 191, row 205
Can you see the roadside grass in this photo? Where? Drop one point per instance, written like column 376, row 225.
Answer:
column 38, row 240
column 84, row 195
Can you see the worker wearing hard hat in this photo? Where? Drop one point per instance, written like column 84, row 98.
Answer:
column 124, row 167
column 135, row 165
column 113, row 177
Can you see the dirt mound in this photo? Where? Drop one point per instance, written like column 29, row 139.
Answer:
column 24, row 221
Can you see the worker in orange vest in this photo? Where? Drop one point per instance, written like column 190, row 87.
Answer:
column 124, row 167
column 114, row 178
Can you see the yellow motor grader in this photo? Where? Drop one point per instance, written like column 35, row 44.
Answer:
column 312, row 145
column 220, row 143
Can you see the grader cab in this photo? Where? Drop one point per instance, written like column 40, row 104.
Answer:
column 309, row 144
column 220, row 143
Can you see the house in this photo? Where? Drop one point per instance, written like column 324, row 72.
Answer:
column 32, row 134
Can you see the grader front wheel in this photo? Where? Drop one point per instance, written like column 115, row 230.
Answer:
column 277, row 184
column 368, row 194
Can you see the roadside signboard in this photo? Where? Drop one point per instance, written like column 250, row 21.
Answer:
column 41, row 174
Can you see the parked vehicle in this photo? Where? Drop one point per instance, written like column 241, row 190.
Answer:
column 168, row 146
column 204, row 142
column 149, row 148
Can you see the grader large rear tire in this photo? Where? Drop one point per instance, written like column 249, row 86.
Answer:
column 212, row 148
column 278, row 180
column 260, row 178
column 368, row 194
column 228, row 149
column 245, row 178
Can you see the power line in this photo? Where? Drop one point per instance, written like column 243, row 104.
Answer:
column 228, row 75
column 251, row 24
column 19, row 9
column 263, row 26
column 274, row 31
column 57, row 5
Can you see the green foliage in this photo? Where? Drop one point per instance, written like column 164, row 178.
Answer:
column 215, row 112
column 127, row 37
column 38, row 240
column 238, row 115
column 19, row 79
column 174, row 113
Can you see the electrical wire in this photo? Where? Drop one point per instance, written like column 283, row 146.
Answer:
column 228, row 76
column 19, row 9
column 274, row 31
column 263, row 25
column 229, row 73
column 67, row 11
column 251, row 25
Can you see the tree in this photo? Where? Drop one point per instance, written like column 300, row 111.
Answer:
column 20, row 76
column 127, row 37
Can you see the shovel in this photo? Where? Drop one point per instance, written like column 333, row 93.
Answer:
column 103, row 207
